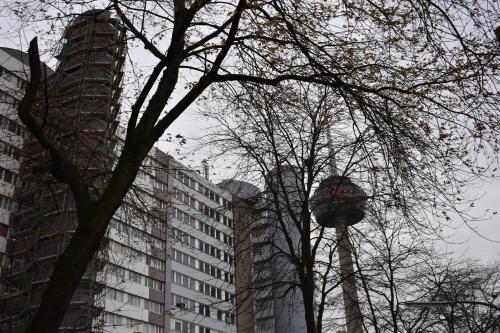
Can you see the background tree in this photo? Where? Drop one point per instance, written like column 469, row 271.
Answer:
column 398, row 266
column 417, row 75
column 468, row 290
column 281, row 132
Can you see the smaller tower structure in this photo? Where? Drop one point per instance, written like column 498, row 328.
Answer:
column 245, row 215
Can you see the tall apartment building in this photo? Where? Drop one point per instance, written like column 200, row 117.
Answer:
column 14, row 71
column 166, row 264
column 280, row 309
column 83, row 101
column 246, row 216
column 267, row 281
column 170, row 264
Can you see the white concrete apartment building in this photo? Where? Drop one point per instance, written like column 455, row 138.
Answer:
column 14, row 69
column 170, row 255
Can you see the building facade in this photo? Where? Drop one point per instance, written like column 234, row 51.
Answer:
column 246, row 216
column 78, row 110
column 168, row 261
column 170, row 267
column 266, row 297
column 279, row 308
column 14, row 71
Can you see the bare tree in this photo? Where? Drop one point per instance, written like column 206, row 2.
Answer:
column 279, row 138
column 407, row 285
column 413, row 75
column 454, row 296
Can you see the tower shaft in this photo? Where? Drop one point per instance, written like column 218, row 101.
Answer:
column 354, row 319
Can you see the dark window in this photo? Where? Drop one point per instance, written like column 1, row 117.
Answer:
column 12, row 127
column 3, row 231
column 8, row 176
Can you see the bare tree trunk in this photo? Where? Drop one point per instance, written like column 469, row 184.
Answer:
column 66, row 276
column 308, row 294
column 88, row 236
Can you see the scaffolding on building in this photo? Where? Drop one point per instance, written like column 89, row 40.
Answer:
column 81, row 116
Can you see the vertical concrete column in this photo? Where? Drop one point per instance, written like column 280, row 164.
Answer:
column 353, row 316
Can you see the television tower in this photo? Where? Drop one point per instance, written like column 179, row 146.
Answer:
column 339, row 203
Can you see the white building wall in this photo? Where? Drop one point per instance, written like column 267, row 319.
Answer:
column 13, row 77
column 127, row 253
column 205, row 234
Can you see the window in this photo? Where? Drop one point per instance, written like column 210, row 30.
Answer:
column 8, row 76
column 6, row 203
column 178, row 194
column 204, row 310
column 8, row 176
column 113, row 319
column 156, row 263
column 136, row 324
column 161, row 225
column 181, row 326
column 265, row 324
column 10, row 125
column 135, row 277
column 153, row 306
column 20, row 83
column 134, row 301
column 10, row 150
column 182, row 302
column 230, row 318
column 115, row 295
column 150, row 328
column 153, row 284
column 163, row 205
column 4, row 230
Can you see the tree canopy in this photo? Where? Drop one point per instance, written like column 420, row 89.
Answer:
column 417, row 77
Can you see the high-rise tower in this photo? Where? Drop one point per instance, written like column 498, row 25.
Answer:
column 338, row 203
column 265, row 275
column 246, row 216
column 83, row 101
